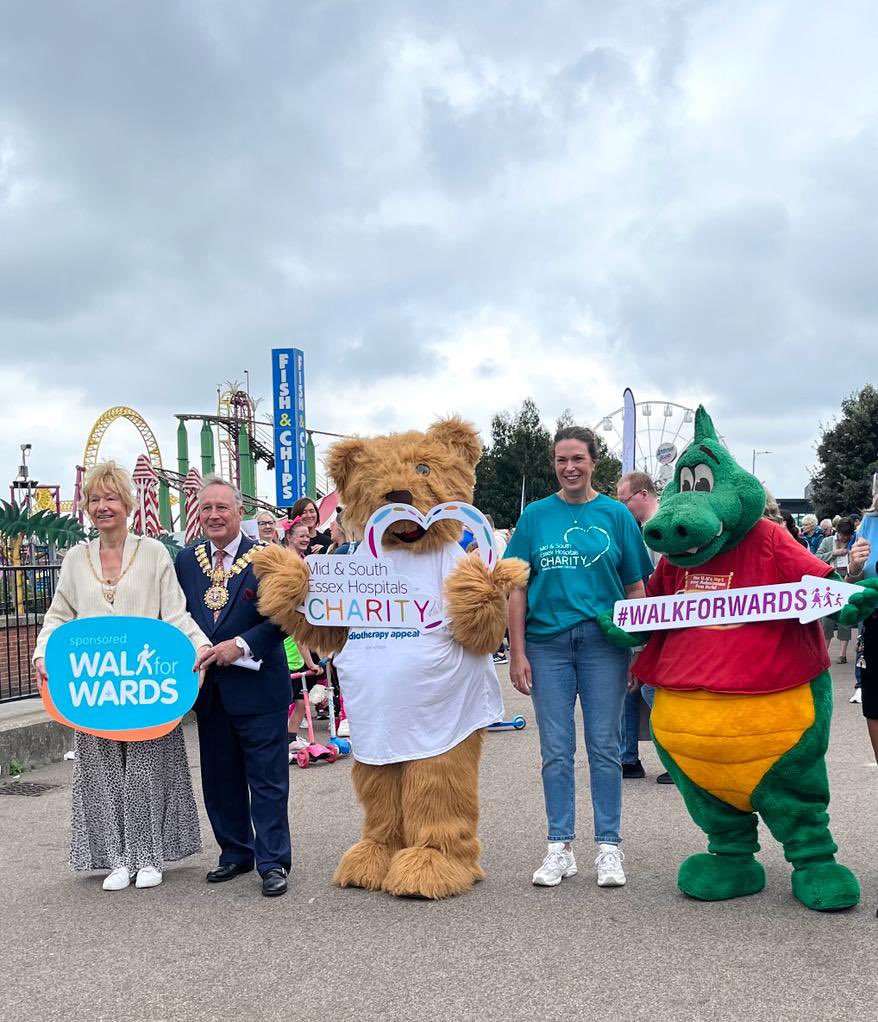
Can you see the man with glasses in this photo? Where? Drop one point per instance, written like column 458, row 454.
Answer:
column 637, row 492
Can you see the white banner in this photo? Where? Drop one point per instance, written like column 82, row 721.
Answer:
column 365, row 593
column 808, row 600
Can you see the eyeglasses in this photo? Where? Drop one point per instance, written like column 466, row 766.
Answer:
column 631, row 497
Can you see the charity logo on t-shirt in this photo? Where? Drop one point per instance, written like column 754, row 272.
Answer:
column 578, row 548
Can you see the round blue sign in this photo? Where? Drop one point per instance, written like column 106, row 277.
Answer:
column 125, row 677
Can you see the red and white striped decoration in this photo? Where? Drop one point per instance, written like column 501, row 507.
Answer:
column 146, row 512
column 191, row 486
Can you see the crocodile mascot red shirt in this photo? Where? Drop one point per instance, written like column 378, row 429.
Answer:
column 742, row 712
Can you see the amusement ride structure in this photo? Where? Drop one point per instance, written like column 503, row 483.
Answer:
column 231, row 442
column 664, row 430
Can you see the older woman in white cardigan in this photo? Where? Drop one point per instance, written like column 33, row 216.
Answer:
column 133, row 806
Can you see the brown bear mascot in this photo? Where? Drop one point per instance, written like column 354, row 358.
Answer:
column 416, row 703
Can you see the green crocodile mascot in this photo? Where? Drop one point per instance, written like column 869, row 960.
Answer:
column 742, row 712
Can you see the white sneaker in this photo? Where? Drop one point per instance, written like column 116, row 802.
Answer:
column 118, row 880
column 344, row 729
column 296, row 745
column 609, row 864
column 148, row 876
column 857, row 697
column 559, row 863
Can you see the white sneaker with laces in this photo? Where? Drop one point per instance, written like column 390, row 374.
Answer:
column 609, row 864
column 558, row 863
column 118, row 880
column 344, row 729
column 148, row 876
column 297, row 744
column 857, row 697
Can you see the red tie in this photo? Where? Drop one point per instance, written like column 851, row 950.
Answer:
column 218, row 566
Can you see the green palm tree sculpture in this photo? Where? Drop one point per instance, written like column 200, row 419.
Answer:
column 17, row 525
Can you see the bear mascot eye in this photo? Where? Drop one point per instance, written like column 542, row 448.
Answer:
column 422, row 470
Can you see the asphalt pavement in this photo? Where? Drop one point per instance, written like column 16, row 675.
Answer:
column 508, row 950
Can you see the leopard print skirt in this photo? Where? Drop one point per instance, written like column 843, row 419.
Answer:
column 133, row 804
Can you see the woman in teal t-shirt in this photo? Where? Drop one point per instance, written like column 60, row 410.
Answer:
column 585, row 552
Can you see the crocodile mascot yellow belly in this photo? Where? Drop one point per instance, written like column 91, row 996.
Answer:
column 727, row 743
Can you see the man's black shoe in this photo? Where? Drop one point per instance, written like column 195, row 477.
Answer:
column 227, row 872
column 634, row 769
column 664, row 778
column 274, row 882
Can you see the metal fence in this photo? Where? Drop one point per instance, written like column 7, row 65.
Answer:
column 25, row 595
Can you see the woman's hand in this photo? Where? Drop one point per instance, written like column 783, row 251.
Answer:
column 200, row 656
column 520, row 673
column 40, row 673
column 858, row 555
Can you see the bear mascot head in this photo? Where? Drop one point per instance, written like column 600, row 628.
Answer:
column 421, row 469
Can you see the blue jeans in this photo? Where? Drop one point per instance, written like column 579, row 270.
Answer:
column 580, row 662
column 631, row 723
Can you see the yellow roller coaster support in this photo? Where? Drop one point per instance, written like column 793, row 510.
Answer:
column 106, row 419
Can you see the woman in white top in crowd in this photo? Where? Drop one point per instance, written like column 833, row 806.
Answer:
column 133, row 807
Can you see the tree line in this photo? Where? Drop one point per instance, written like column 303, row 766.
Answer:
column 848, row 457
column 516, row 466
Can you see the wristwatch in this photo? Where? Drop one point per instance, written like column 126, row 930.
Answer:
column 242, row 646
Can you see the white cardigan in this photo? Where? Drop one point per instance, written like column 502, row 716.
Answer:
column 149, row 589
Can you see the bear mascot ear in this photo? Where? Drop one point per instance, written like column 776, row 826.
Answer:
column 461, row 437
column 341, row 460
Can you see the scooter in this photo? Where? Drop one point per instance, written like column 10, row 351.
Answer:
column 517, row 723
column 313, row 752
column 342, row 744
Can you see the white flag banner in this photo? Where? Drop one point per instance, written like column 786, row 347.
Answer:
column 808, row 600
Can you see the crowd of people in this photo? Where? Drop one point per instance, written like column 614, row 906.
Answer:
column 133, row 804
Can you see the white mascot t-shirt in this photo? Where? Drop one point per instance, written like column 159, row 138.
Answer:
column 410, row 695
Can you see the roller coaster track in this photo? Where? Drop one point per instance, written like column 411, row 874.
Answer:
column 175, row 482
column 105, row 420
column 261, row 435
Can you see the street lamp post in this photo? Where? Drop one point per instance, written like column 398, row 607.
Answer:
column 755, row 456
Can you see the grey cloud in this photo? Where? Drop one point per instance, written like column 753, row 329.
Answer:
column 213, row 178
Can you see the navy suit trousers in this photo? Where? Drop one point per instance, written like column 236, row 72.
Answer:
column 245, row 777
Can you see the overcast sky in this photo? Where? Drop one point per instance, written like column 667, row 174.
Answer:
column 449, row 206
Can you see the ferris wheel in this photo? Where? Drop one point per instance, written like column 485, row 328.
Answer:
column 664, row 430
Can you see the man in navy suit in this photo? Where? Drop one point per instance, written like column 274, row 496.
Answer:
column 242, row 713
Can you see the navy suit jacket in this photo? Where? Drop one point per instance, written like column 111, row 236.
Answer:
column 242, row 691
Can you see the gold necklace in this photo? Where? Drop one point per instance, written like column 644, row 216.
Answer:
column 217, row 595
column 570, row 511
column 108, row 586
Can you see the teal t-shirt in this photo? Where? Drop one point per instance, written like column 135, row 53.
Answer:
column 581, row 557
